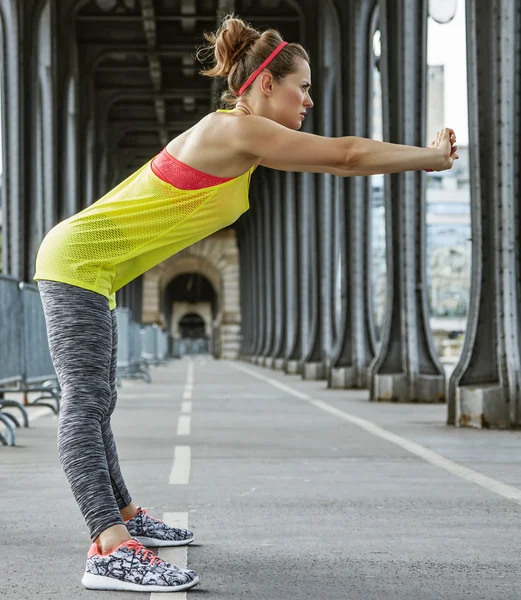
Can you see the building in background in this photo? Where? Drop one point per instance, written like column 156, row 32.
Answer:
column 435, row 100
column 448, row 252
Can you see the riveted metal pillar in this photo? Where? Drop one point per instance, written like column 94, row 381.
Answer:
column 71, row 145
column 485, row 386
column 251, row 300
column 136, row 299
column 44, row 193
column 90, row 148
column 325, row 199
column 131, row 296
column 269, row 270
column 88, row 174
column 316, row 225
column 13, row 98
column 245, row 280
column 70, row 99
column 354, row 349
column 242, row 284
column 279, row 259
column 406, row 367
column 260, row 271
column 312, row 366
column 88, row 155
column 292, row 210
column 337, row 244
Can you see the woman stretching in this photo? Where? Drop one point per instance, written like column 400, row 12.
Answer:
column 197, row 185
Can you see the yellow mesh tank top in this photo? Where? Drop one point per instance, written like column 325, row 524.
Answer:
column 134, row 227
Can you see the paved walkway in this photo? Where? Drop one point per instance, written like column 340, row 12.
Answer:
column 295, row 492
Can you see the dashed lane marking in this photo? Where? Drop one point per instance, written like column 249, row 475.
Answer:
column 180, row 474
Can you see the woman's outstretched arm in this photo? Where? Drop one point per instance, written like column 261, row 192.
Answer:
column 285, row 149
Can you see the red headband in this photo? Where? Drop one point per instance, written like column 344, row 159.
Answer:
column 258, row 71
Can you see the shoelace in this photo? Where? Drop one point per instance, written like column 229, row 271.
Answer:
column 144, row 553
column 145, row 514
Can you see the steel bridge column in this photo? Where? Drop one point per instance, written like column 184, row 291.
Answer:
column 354, row 348
column 292, row 274
column 44, row 83
column 316, row 219
column 251, row 300
column 243, row 243
column 406, row 367
column 484, row 390
column 71, row 150
column 13, row 98
column 327, row 199
column 269, row 276
column 257, row 209
column 308, row 282
column 242, row 284
column 279, row 260
column 136, row 299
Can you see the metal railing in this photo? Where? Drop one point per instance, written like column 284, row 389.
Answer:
column 185, row 346
column 154, row 345
column 139, row 347
column 25, row 361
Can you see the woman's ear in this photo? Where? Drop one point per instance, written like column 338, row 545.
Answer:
column 266, row 83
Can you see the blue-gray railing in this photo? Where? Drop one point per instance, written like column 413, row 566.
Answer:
column 138, row 347
column 186, row 346
column 25, row 360
column 154, row 344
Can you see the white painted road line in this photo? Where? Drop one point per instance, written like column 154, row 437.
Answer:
column 180, row 474
column 187, row 395
column 176, row 556
column 493, row 485
column 190, row 374
column 186, row 408
column 184, row 425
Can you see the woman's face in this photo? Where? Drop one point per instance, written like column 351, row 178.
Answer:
column 291, row 98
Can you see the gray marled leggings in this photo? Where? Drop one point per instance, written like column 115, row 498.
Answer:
column 83, row 339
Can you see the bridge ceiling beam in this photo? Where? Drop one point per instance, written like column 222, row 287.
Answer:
column 154, row 64
column 137, row 60
column 116, row 19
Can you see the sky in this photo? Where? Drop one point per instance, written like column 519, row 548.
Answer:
column 445, row 46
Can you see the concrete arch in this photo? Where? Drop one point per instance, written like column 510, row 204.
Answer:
column 193, row 264
column 189, row 312
column 205, row 316
column 217, row 259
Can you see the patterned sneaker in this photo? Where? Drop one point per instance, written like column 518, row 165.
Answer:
column 152, row 532
column 133, row 568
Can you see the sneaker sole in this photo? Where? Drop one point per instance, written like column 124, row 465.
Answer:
column 98, row 582
column 155, row 543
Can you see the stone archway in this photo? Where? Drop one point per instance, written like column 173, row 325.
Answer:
column 217, row 259
column 199, row 312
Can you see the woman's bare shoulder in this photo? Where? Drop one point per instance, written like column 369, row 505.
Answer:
column 206, row 147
